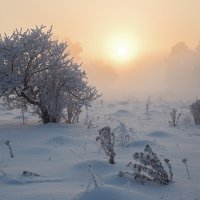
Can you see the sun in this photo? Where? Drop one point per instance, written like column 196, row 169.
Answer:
column 121, row 49
column 122, row 52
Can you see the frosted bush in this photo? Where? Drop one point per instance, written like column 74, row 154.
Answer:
column 38, row 72
column 195, row 110
column 107, row 142
column 122, row 136
column 174, row 117
column 147, row 105
column 92, row 116
column 148, row 167
column 186, row 119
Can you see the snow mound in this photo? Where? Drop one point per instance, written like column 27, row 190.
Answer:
column 35, row 150
column 98, row 165
column 141, row 143
column 122, row 112
column 123, row 103
column 159, row 134
column 58, row 140
column 111, row 105
column 107, row 192
column 10, row 180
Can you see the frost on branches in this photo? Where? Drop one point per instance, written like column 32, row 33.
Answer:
column 148, row 167
column 37, row 72
column 107, row 141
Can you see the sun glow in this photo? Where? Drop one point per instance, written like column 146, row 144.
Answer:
column 121, row 49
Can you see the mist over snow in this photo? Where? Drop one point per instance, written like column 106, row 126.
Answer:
column 173, row 76
column 183, row 70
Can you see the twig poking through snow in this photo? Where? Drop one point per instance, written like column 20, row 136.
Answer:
column 92, row 175
column 167, row 161
column 185, row 163
column 75, row 153
column 96, row 179
column 4, row 174
column 10, row 149
column 28, row 173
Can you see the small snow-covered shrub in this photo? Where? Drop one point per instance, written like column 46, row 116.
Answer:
column 186, row 119
column 174, row 117
column 195, row 110
column 122, row 136
column 107, row 141
column 148, row 167
column 92, row 116
column 90, row 123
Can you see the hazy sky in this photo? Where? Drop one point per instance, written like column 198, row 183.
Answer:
column 105, row 30
column 152, row 24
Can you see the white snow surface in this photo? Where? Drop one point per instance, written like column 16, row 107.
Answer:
column 60, row 154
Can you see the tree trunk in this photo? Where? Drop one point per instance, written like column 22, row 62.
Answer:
column 112, row 160
column 45, row 115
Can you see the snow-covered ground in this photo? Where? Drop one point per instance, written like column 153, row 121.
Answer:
column 60, row 154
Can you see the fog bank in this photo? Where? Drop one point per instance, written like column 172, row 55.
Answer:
column 175, row 75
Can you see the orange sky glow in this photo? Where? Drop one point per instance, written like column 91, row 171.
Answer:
column 113, row 36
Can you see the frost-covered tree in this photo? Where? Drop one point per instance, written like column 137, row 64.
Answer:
column 38, row 72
